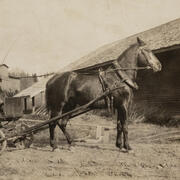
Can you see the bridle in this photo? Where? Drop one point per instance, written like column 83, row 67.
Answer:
column 142, row 50
column 126, row 69
column 116, row 69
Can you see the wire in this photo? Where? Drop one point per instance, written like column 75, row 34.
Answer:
column 33, row 76
column 7, row 53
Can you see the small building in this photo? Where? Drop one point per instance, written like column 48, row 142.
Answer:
column 33, row 96
column 11, row 85
column 8, row 83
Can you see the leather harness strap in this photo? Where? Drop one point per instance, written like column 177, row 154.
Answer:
column 124, row 79
column 108, row 99
column 124, row 76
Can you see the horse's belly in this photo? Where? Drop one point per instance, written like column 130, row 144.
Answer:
column 84, row 98
column 99, row 104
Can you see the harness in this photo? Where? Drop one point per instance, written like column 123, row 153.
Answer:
column 124, row 79
column 107, row 99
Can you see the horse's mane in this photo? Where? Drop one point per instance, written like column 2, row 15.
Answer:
column 126, row 51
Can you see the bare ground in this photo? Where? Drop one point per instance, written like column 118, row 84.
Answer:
column 155, row 155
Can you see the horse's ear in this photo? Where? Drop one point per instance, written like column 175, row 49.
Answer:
column 140, row 42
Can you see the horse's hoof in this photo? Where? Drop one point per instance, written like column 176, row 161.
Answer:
column 127, row 147
column 119, row 146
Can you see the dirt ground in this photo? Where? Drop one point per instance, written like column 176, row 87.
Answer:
column 155, row 155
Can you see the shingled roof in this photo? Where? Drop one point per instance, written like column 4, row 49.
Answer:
column 35, row 89
column 161, row 37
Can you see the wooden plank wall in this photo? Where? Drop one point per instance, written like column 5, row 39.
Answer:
column 162, row 89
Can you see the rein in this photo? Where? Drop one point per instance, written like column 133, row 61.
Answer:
column 115, row 69
column 126, row 69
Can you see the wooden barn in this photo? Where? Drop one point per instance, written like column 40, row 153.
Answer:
column 156, row 90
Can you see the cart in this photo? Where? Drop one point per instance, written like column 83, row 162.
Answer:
column 26, row 135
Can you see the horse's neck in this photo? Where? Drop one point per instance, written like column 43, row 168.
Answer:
column 129, row 60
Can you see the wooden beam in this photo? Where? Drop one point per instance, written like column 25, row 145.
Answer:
column 166, row 49
column 73, row 113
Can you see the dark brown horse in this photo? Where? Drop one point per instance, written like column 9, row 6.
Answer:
column 67, row 90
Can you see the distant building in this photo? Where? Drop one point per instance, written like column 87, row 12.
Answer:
column 7, row 82
column 33, row 96
column 11, row 85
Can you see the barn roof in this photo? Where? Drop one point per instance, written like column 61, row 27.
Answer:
column 161, row 37
column 34, row 89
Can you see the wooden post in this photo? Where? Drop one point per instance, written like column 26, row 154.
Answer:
column 106, row 136
column 33, row 104
column 25, row 104
column 99, row 132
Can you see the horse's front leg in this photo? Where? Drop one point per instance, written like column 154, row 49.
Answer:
column 124, row 122
column 119, row 129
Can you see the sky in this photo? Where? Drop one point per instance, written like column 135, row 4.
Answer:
column 40, row 36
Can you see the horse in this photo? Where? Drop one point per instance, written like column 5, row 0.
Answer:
column 67, row 90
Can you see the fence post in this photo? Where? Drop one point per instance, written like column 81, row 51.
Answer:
column 106, row 136
column 98, row 132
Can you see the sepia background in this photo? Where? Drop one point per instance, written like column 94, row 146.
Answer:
column 41, row 36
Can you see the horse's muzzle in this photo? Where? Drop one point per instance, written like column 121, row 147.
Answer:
column 157, row 67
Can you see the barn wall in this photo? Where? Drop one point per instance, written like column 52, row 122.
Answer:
column 161, row 89
column 39, row 100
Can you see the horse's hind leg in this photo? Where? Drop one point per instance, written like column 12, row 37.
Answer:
column 53, row 137
column 125, row 127
column 119, row 129
column 62, row 125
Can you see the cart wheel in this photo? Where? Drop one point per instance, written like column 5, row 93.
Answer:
column 2, row 144
column 26, row 141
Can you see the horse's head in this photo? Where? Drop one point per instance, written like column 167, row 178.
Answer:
column 146, row 56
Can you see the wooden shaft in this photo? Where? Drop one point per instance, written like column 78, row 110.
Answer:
column 77, row 111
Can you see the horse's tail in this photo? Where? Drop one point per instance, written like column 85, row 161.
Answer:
column 55, row 91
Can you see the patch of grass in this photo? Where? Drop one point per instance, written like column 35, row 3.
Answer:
column 157, row 115
column 135, row 115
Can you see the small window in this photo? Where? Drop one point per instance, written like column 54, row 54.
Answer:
column 0, row 80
